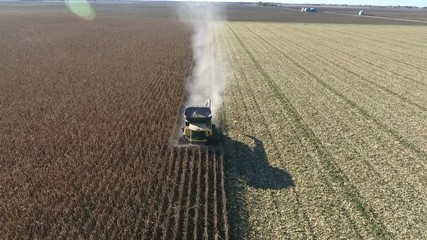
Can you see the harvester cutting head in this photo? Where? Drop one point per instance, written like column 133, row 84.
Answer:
column 198, row 124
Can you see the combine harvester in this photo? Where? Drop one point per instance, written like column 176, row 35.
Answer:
column 199, row 129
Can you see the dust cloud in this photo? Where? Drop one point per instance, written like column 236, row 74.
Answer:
column 210, row 68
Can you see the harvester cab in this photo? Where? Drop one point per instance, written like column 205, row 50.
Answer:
column 198, row 123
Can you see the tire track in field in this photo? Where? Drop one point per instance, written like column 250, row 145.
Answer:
column 385, row 89
column 362, row 111
column 377, row 227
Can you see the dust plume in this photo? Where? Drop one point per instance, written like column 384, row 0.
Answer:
column 210, row 70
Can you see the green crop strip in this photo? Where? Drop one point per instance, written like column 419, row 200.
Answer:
column 335, row 173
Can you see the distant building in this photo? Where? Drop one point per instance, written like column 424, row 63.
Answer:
column 361, row 13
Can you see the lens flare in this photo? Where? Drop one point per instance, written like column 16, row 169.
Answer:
column 81, row 8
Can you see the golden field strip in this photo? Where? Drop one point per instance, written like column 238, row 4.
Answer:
column 340, row 113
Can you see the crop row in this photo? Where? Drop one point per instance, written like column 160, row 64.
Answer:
column 87, row 110
column 327, row 115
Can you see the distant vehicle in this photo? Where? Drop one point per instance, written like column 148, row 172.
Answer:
column 308, row 9
column 361, row 13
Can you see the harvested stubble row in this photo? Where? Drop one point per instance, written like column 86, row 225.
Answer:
column 342, row 110
column 86, row 113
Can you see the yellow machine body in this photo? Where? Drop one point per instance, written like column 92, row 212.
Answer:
column 198, row 132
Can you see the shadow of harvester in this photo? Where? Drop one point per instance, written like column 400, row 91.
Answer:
column 248, row 165
column 251, row 165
